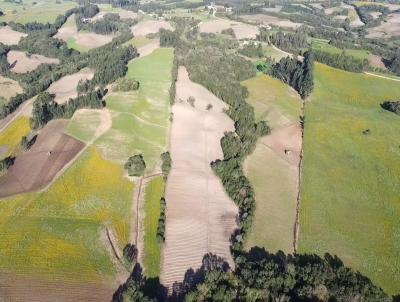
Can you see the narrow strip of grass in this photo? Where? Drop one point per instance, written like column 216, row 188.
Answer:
column 154, row 192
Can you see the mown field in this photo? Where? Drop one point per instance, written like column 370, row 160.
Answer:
column 350, row 185
column 273, row 179
column 151, row 254
column 140, row 118
column 42, row 11
column 59, row 232
column 11, row 136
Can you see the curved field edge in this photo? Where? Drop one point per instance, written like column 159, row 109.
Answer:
column 57, row 232
column 349, row 190
column 11, row 136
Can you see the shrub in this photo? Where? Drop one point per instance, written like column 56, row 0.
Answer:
column 135, row 165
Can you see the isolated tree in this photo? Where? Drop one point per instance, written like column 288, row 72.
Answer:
column 24, row 143
column 166, row 163
column 135, row 165
column 191, row 101
column 130, row 253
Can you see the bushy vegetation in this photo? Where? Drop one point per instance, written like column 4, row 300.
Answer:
column 394, row 63
column 297, row 74
column 252, row 50
column 365, row 16
column 5, row 163
column 161, row 221
column 166, row 163
column 392, row 106
column 125, row 84
column 135, row 165
column 292, row 42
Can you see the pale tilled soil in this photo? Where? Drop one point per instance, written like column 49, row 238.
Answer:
column 22, row 63
column 150, row 27
column 242, row 30
column 200, row 216
column 9, row 36
column 85, row 39
column 388, row 29
column 9, row 88
column 270, row 20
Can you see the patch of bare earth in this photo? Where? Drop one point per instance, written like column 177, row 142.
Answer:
column 376, row 61
column 35, row 168
column 146, row 27
column 13, row 287
column 242, row 30
column 9, row 36
column 148, row 48
column 85, row 39
column 387, row 29
column 9, row 88
column 21, row 63
column 126, row 14
column 65, row 88
column 200, row 215
column 270, row 20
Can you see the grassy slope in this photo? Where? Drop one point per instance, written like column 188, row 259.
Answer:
column 58, row 231
column 44, row 11
column 350, row 185
column 320, row 44
column 83, row 126
column 271, row 177
column 140, row 118
column 11, row 136
column 151, row 256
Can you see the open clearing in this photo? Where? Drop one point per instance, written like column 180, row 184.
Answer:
column 65, row 88
column 9, row 36
column 21, row 63
column 146, row 27
column 9, row 88
column 200, row 216
column 242, row 30
column 270, row 20
column 151, row 252
column 42, row 11
column 56, row 234
column 273, row 173
column 390, row 28
column 35, row 168
column 140, row 118
column 350, row 192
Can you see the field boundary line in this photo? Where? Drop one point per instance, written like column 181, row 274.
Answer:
column 380, row 76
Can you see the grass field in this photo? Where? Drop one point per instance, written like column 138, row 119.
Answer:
column 350, row 184
column 57, row 232
column 11, row 136
column 151, row 256
column 273, row 179
column 83, row 126
column 42, row 11
column 272, row 100
column 140, row 118
column 323, row 45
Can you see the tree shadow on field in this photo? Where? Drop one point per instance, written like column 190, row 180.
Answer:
column 192, row 278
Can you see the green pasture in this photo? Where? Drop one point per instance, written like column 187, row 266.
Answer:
column 350, row 180
column 83, row 125
column 151, row 254
column 42, row 11
column 58, row 232
column 140, row 118
column 323, row 45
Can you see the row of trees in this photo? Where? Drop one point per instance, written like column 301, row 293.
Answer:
column 292, row 42
column 161, row 221
column 341, row 61
column 298, row 75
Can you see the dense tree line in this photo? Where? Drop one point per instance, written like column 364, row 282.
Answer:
column 392, row 106
column 46, row 109
column 4, row 66
column 168, row 38
column 364, row 12
column 161, row 221
column 166, row 163
column 341, row 61
column 298, row 75
column 394, row 63
column 291, row 42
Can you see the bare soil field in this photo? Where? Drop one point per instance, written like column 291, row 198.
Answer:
column 353, row 16
column 127, row 14
column 150, row 27
column 242, row 30
column 376, row 61
column 65, row 88
column 35, row 168
column 390, row 28
column 148, row 48
column 14, row 288
column 85, row 39
column 270, row 20
column 9, row 88
column 21, row 63
column 9, row 36
column 200, row 216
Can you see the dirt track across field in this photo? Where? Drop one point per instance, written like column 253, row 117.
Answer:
column 21, row 63
column 35, row 168
column 9, row 36
column 200, row 216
